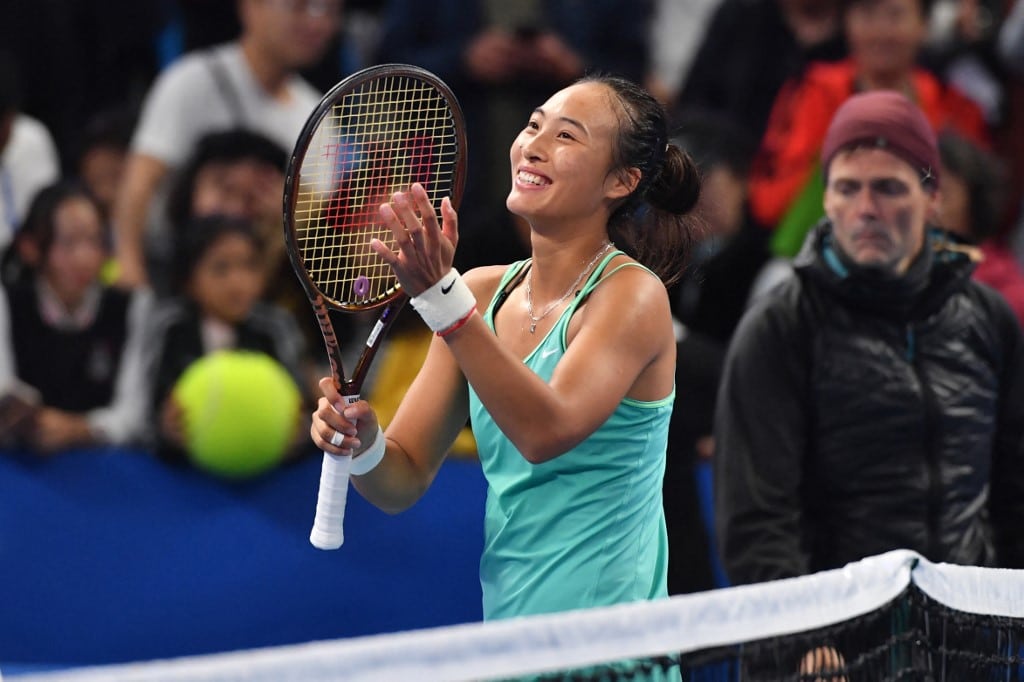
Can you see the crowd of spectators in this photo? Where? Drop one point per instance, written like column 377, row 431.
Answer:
column 143, row 146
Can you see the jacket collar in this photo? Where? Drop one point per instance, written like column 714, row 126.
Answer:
column 942, row 268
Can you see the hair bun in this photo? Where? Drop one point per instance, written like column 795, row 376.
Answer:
column 676, row 188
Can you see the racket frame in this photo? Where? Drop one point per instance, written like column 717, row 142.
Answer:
column 334, row 477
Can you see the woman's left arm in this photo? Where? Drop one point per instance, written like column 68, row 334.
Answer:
column 623, row 346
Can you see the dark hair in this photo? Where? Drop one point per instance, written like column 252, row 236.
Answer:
column 39, row 226
column 232, row 146
column 196, row 238
column 651, row 224
column 985, row 180
column 109, row 129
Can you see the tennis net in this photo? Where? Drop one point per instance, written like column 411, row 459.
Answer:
column 891, row 617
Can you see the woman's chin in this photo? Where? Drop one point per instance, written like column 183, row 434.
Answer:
column 516, row 206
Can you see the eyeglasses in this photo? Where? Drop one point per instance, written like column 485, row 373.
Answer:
column 314, row 8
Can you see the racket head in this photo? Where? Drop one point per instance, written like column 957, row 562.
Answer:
column 374, row 133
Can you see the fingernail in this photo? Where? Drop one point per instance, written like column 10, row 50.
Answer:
column 350, row 413
column 357, row 444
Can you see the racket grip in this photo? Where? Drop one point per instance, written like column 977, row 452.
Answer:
column 328, row 525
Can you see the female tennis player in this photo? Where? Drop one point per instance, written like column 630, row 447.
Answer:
column 564, row 362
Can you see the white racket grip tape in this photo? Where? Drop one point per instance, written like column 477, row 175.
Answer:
column 328, row 524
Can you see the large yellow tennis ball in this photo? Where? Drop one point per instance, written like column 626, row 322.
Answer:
column 240, row 412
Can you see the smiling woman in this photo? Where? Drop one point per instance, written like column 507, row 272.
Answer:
column 567, row 371
column 569, row 165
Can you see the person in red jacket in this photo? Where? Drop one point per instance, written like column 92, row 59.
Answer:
column 884, row 37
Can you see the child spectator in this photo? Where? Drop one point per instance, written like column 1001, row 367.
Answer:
column 74, row 340
column 240, row 174
column 219, row 282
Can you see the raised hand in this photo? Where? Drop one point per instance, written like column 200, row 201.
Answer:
column 425, row 248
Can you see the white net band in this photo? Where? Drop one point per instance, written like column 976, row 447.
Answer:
column 538, row 644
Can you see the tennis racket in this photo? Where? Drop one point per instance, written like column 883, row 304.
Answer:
column 376, row 132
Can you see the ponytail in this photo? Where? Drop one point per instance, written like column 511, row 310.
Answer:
column 676, row 188
column 654, row 224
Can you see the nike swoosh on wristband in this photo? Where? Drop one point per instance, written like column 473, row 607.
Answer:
column 446, row 289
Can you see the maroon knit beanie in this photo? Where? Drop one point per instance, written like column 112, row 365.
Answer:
column 884, row 119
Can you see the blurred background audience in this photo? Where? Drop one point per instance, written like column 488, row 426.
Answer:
column 250, row 82
column 143, row 146
column 885, row 39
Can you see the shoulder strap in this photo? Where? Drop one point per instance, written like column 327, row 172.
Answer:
column 227, row 89
column 598, row 275
column 512, row 278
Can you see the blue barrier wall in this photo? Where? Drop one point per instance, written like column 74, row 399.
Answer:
column 111, row 556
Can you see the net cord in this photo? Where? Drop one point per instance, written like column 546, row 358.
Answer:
column 538, row 644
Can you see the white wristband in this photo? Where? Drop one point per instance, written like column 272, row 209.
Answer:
column 369, row 458
column 445, row 303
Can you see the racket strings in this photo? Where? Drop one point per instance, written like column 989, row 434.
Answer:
column 379, row 138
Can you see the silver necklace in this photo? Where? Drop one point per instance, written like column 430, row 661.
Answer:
column 534, row 319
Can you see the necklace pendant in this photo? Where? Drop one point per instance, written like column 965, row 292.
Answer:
column 547, row 311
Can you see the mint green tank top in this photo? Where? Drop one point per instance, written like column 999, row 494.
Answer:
column 586, row 528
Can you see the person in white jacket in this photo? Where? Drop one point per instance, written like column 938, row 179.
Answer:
column 28, row 155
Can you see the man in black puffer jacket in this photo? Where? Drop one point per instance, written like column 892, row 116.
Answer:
column 875, row 400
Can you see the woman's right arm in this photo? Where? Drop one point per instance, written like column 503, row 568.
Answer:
column 431, row 414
